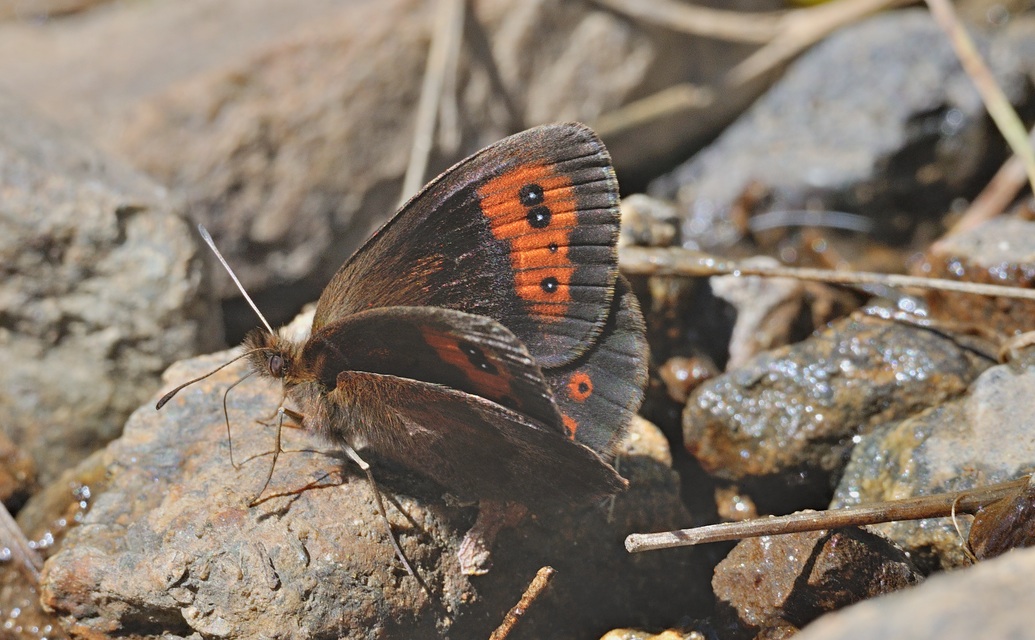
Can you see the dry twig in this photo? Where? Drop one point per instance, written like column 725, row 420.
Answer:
column 996, row 196
column 942, row 505
column 674, row 261
column 448, row 29
column 995, row 100
column 534, row 589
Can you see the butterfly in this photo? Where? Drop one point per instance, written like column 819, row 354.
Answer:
column 483, row 337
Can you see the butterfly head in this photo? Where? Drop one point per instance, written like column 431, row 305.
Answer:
column 273, row 356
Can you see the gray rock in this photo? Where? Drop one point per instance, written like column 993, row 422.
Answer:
column 102, row 288
column 989, row 600
column 982, row 438
column 767, row 309
column 878, row 119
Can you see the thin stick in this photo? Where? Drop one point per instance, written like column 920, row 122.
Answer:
column 449, row 132
column 941, row 505
column 478, row 41
column 12, row 537
column 800, row 29
column 671, row 100
column 998, row 105
column 534, row 589
column 212, row 245
column 735, row 26
column 448, row 27
column 683, row 262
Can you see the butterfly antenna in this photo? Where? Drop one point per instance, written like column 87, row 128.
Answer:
column 212, row 245
column 169, row 396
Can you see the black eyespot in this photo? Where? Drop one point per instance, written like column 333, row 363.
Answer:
column 553, row 247
column 539, row 217
column 531, row 195
column 275, row 363
column 549, row 285
column 477, row 358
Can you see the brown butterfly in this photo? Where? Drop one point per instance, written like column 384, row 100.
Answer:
column 483, row 337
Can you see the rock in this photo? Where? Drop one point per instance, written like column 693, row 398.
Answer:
column 173, row 546
column 784, row 582
column 1001, row 252
column 92, row 71
column 878, row 119
column 648, row 222
column 989, row 600
column 953, row 446
column 798, row 408
column 45, row 520
column 767, row 310
column 682, row 375
column 102, row 289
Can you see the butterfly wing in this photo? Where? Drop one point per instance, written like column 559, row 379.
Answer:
column 473, row 354
column 476, row 448
column 599, row 393
column 523, row 232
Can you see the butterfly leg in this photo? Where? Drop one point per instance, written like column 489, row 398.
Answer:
column 276, row 454
column 475, row 553
column 362, row 464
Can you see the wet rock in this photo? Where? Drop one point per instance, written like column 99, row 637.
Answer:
column 799, row 407
column 45, row 520
column 17, row 474
column 775, row 584
column 878, row 119
column 102, row 289
column 982, row 438
column 1001, row 251
column 989, row 600
column 734, row 505
column 682, row 375
column 172, row 545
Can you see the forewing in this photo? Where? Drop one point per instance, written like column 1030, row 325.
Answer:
column 523, row 232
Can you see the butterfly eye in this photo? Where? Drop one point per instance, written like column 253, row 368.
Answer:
column 276, row 365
